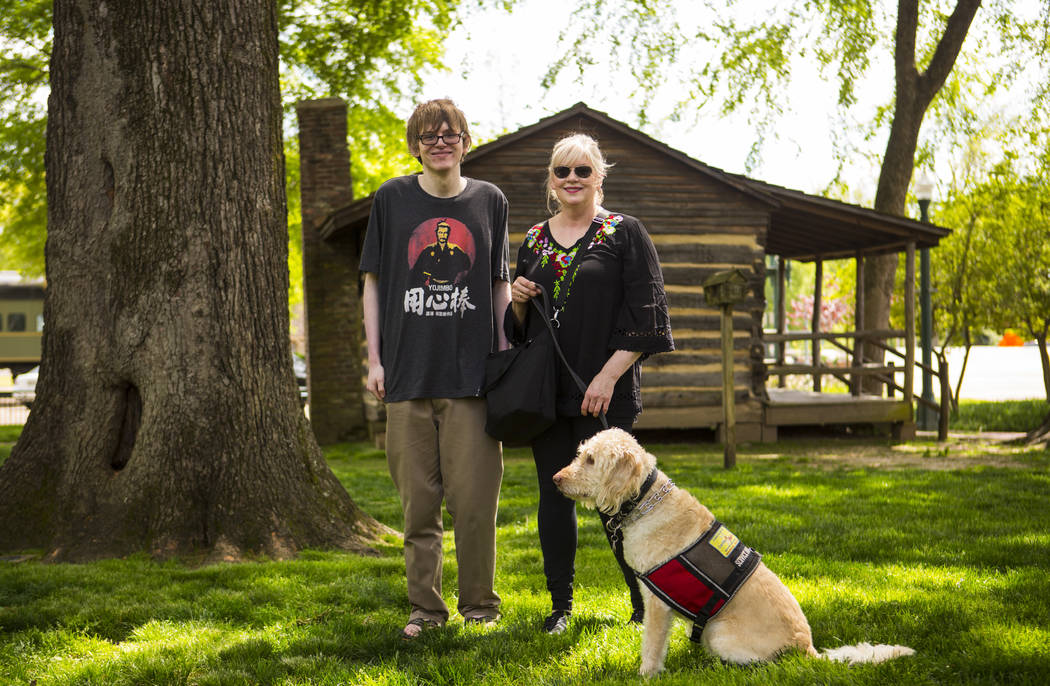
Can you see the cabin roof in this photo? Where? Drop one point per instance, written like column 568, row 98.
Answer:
column 802, row 226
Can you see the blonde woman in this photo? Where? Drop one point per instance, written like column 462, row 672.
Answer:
column 603, row 275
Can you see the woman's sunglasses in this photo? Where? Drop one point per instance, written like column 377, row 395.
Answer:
column 581, row 172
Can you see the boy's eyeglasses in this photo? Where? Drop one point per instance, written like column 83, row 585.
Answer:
column 448, row 138
column 582, row 171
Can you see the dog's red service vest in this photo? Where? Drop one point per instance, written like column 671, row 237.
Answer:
column 699, row 581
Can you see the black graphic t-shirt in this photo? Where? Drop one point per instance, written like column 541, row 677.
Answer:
column 435, row 260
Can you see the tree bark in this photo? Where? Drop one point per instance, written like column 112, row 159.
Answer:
column 167, row 416
column 1040, row 434
column 914, row 93
column 1044, row 362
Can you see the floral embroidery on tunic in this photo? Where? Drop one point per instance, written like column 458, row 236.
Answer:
column 550, row 252
column 606, row 230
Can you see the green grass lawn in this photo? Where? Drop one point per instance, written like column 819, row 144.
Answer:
column 931, row 548
column 1003, row 415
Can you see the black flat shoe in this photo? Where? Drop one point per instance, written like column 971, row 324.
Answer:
column 557, row 621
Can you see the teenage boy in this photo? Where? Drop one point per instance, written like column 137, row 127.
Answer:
column 427, row 343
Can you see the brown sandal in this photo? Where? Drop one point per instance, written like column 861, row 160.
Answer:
column 420, row 622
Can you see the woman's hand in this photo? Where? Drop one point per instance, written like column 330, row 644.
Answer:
column 599, row 392
column 521, row 291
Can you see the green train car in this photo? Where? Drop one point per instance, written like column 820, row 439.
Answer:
column 21, row 325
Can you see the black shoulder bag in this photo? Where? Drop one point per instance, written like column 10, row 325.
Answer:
column 521, row 382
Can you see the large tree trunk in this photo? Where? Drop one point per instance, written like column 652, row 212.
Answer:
column 914, row 93
column 167, row 415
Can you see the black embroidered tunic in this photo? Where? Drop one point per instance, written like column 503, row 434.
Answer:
column 614, row 301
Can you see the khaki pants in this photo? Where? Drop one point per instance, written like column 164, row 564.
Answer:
column 437, row 449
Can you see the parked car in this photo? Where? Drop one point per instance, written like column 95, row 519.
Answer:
column 299, row 365
column 24, row 388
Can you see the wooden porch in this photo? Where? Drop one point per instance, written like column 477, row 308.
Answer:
column 790, row 407
column 760, row 412
column 759, row 422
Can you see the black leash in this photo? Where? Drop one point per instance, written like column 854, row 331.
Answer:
column 545, row 315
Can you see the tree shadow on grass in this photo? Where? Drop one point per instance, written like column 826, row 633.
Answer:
column 514, row 645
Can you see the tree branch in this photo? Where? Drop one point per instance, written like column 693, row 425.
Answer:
column 948, row 48
column 904, row 45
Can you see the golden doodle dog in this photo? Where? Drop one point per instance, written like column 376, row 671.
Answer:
column 690, row 563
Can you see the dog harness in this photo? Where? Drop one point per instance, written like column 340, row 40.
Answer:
column 702, row 579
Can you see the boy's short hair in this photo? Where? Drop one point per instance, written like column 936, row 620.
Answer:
column 429, row 116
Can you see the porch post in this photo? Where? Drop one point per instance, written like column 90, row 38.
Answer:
column 781, row 315
column 909, row 325
column 818, row 280
column 858, row 322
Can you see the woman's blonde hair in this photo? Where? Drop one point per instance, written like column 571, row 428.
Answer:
column 568, row 151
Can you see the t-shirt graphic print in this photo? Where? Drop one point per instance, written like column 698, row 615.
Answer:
column 441, row 252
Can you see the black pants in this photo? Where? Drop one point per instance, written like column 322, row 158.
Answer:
column 556, row 518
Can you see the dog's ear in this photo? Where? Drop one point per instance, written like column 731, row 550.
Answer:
column 622, row 473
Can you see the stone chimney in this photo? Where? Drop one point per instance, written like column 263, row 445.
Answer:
column 330, row 275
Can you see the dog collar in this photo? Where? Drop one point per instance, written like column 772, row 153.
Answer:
column 627, row 507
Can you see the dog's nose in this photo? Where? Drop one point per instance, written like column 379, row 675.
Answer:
column 557, row 479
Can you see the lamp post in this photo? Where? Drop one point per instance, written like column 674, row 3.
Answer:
column 927, row 417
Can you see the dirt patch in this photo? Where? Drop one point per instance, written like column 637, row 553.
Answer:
column 960, row 451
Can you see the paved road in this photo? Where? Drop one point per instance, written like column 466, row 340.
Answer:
column 12, row 412
column 997, row 373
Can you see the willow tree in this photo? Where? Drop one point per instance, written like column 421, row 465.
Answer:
column 743, row 56
column 167, row 416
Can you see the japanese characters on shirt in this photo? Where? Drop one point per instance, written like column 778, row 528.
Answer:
column 441, row 252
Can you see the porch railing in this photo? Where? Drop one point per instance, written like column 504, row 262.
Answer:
column 851, row 343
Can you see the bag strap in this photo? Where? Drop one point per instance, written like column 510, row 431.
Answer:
column 545, row 315
column 574, row 266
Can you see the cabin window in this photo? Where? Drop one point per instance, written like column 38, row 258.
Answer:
column 40, row 322
column 16, row 321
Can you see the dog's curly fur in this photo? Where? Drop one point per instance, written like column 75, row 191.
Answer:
column 763, row 619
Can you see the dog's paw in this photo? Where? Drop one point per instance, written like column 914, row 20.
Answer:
column 650, row 670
